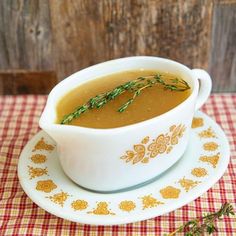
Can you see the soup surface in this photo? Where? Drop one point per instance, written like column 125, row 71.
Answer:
column 151, row 102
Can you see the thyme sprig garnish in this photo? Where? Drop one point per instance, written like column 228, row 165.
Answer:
column 205, row 224
column 134, row 86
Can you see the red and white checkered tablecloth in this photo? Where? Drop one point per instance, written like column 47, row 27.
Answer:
column 19, row 117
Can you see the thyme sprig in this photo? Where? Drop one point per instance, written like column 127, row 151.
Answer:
column 205, row 224
column 134, row 86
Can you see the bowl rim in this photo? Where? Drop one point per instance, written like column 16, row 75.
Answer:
column 72, row 128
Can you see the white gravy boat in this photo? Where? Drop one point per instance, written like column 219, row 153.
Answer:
column 118, row 158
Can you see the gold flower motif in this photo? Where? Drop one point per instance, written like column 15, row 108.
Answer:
column 211, row 146
column 46, row 186
column 128, row 156
column 177, row 132
column 38, row 158
column 162, row 144
column 136, row 155
column 159, row 145
column 59, row 198
column 182, row 130
column 188, row 184
column 213, row 160
column 127, row 206
column 197, row 122
column 149, row 202
column 101, row 209
column 42, row 145
column 199, row 172
column 145, row 140
column 168, row 150
column 36, row 172
column 170, row 192
column 79, row 205
column 145, row 160
column 208, row 133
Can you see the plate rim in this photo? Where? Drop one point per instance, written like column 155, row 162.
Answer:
column 99, row 220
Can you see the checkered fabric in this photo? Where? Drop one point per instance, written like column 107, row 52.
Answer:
column 19, row 117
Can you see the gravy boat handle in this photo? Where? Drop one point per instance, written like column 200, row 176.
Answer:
column 205, row 85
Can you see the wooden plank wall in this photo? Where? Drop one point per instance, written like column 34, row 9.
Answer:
column 26, row 39
column 26, row 63
column 222, row 61
column 64, row 36
column 113, row 29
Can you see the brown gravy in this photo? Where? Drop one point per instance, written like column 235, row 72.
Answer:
column 150, row 103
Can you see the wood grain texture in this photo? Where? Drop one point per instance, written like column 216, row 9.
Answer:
column 222, row 66
column 25, row 82
column 68, row 35
column 88, row 32
column 25, row 35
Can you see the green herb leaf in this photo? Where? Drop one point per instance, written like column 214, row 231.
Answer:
column 135, row 86
column 206, row 223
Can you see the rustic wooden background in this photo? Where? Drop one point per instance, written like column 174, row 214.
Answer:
column 42, row 42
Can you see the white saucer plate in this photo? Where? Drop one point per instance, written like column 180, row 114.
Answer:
column 202, row 165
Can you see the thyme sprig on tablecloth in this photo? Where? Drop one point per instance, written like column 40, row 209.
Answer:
column 134, row 86
column 205, row 224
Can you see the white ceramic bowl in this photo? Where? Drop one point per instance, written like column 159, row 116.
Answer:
column 118, row 158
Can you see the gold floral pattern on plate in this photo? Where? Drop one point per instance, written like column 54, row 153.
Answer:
column 162, row 144
column 79, row 205
column 36, row 172
column 170, row 192
column 149, row 202
column 197, row 122
column 46, row 186
column 42, row 145
column 59, row 198
column 212, row 160
column 154, row 199
column 102, row 208
column 127, row 206
column 210, row 146
column 188, row 184
column 208, row 133
column 199, row 172
column 38, row 158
